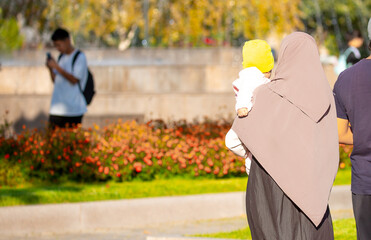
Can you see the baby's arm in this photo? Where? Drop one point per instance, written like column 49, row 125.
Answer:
column 234, row 144
column 251, row 79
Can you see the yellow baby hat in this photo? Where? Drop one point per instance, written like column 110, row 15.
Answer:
column 257, row 53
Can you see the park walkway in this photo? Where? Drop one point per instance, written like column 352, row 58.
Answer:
column 162, row 218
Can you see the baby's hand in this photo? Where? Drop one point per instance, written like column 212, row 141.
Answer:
column 242, row 112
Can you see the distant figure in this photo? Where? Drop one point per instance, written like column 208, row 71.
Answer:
column 355, row 41
column 352, row 54
column 69, row 75
column 352, row 93
column 258, row 63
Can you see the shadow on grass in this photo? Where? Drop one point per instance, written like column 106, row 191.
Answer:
column 33, row 195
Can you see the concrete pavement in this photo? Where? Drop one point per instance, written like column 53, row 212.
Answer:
column 139, row 219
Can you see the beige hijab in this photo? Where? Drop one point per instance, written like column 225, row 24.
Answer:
column 292, row 129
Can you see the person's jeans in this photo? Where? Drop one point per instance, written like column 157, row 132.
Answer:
column 362, row 214
column 62, row 122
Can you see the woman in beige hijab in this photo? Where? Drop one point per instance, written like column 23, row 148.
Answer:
column 292, row 134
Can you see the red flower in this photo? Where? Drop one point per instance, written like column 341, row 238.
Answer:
column 7, row 156
column 138, row 167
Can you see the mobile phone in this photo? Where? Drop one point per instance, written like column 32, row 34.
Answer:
column 48, row 55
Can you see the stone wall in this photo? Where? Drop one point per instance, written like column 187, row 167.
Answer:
column 143, row 84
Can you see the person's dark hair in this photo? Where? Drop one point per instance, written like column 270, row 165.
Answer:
column 369, row 45
column 60, row 34
column 352, row 35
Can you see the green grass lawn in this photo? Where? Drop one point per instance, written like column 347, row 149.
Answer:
column 344, row 229
column 74, row 192
column 343, row 176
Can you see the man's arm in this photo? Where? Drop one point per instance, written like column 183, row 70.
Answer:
column 52, row 74
column 345, row 134
column 52, row 64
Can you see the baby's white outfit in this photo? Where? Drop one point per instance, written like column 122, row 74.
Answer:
column 244, row 87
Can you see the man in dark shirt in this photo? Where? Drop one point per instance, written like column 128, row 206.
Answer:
column 352, row 92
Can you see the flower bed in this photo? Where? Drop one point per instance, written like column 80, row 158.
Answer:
column 123, row 151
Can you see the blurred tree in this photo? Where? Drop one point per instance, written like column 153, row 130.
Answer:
column 10, row 38
column 169, row 23
column 332, row 19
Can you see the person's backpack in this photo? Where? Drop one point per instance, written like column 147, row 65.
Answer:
column 89, row 90
column 342, row 61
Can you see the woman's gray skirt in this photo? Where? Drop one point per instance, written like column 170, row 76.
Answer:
column 273, row 216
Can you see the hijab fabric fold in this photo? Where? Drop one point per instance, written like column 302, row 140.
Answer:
column 292, row 128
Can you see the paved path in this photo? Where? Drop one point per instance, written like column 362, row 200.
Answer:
column 139, row 219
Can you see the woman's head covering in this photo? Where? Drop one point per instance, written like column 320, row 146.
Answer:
column 300, row 77
column 292, row 129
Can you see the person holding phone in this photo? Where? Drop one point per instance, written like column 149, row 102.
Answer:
column 68, row 104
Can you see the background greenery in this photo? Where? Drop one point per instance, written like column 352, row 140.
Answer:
column 188, row 23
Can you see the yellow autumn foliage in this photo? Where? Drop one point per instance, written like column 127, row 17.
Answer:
column 173, row 22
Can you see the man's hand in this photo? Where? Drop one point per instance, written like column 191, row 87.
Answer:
column 51, row 63
column 345, row 133
column 242, row 112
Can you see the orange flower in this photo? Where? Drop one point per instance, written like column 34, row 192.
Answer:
column 342, row 165
column 106, row 170
column 210, row 162
column 131, row 157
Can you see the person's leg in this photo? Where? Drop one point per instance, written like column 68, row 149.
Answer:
column 62, row 122
column 73, row 121
column 362, row 215
column 56, row 121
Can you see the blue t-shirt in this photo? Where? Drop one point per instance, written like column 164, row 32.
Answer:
column 352, row 92
column 67, row 99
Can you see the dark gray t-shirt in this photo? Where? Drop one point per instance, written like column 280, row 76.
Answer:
column 352, row 92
